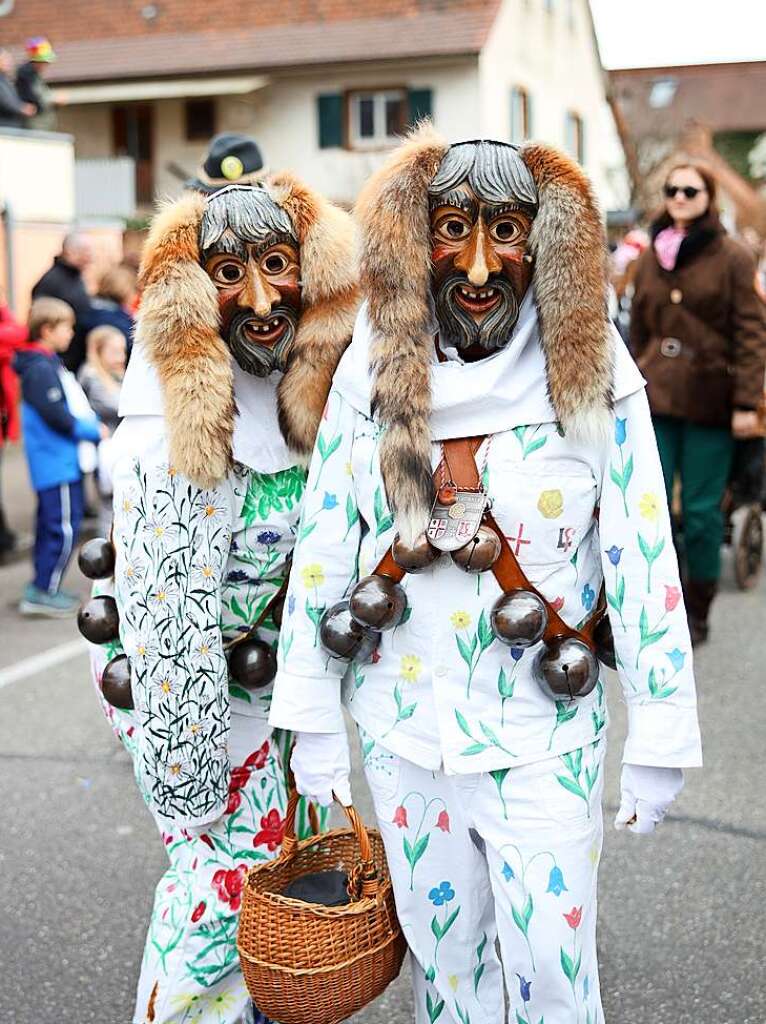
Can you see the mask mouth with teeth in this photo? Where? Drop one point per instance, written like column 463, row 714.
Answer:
column 482, row 203
column 250, row 252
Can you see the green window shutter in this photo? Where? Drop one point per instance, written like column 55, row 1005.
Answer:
column 330, row 117
column 419, row 102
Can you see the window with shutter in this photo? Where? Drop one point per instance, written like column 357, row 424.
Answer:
column 376, row 118
column 330, row 120
column 420, row 104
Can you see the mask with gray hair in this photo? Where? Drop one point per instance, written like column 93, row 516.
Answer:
column 249, row 250
column 482, row 202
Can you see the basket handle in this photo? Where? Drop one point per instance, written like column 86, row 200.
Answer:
column 364, row 877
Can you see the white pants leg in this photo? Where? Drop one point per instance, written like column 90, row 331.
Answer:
column 511, row 854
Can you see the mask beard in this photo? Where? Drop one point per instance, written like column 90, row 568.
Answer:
column 457, row 326
column 254, row 357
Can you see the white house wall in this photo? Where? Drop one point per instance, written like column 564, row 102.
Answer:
column 548, row 49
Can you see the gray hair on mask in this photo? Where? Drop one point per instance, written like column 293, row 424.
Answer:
column 494, row 170
column 247, row 213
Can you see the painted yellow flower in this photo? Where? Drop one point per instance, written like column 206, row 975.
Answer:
column 184, row 1001
column 312, row 575
column 460, row 620
column 649, row 506
column 349, row 469
column 550, row 504
column 410, row 667
column 453, row 982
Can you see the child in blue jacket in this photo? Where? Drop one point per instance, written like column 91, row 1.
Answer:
column 55, row 419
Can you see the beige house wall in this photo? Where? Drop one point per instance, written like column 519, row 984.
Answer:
column 552, row 54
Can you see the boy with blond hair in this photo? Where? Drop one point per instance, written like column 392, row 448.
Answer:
column 55, row 418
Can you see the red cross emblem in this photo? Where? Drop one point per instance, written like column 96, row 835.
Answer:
column 437, row 528
column 519, row 540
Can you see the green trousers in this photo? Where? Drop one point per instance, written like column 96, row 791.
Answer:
column 701, row 457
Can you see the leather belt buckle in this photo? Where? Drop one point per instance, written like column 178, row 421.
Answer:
column 670, row 347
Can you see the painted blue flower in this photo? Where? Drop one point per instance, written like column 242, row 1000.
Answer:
column 508, row 872
column 615, row 554
column 677, row 658
column 588, row 597
column 443, row 894
column 586, row 987
column 620, row 431
column 524, row 987
column 329, row 501
column 556, row 883
column 517, row 653
column 268, row 537
column 237, row 576
column 234, row 546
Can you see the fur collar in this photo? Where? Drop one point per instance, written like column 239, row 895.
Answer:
column 178, row 325
column 570, row 283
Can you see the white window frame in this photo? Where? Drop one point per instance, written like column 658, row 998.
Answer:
column 575, row 147
column 379, row 139
column 520, row 93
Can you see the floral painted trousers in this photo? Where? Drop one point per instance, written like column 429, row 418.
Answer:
column 511, row 855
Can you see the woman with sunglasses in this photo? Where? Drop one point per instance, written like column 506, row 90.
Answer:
column 697, row 332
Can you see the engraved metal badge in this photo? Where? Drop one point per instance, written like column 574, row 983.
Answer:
column 453, row 525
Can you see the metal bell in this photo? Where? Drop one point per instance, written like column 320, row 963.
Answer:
column 519, row 618
column 343, row 637
column 98, row 620
column 252, row 664
column 480, row 553
column 415, row 557
column 565, row 668
column 277, row 611
column 603, row 641
column 96, row 559
column 377, row 602
column 115, row 683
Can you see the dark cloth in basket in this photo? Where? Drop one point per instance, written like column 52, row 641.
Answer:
column 330, row 888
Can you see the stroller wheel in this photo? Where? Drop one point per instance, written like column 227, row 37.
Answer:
column 748, row 546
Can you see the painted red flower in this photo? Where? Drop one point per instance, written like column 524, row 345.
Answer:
column 375, row 657
column 167, row 838
column 235, row 800
column 400, row 817
column 130, row 731
column 672, row 597
column 272, row 831
column 206, row 839
column 259, row 757
column 229, row 884
column 442, row 821
column 557, row 604
column 239, row 778
column 198, row 911
column 574, row 917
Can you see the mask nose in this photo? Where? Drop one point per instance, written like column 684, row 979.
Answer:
column 257, row 294
column 478, row 260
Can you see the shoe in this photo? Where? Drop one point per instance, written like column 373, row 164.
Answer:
column 698, row 597
column 8, row 541
column 41, row 602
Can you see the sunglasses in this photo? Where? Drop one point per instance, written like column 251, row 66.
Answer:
column 689, row 191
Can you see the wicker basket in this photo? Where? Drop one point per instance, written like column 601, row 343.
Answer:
column 309, row 964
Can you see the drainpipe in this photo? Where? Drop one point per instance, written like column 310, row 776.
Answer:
column 7, row 219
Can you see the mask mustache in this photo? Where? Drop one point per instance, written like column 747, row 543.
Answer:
column 458, row 328
column 257, row 358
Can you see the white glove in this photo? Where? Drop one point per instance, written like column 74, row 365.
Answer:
column 321, row 764
column 647, row 793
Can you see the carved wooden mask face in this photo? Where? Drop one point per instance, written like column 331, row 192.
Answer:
column 482, row 204
column 251, row 254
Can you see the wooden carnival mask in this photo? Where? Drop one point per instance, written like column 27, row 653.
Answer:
column 249, row 250
column 482, row 203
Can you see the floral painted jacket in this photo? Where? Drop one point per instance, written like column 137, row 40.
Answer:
column 441, row 690
column 194, row 569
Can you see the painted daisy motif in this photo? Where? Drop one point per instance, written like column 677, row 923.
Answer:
column 142, row 648
column 163, row 595
column 177, row 772
column 208, row 506
column 159, row 527
column 133, row 570
column 460, row 620
column 205, row 571
column 127, row 503
column 410, row 667
column 163, row 682
column 204, row 650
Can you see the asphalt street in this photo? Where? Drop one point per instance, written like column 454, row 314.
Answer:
column 681, row 913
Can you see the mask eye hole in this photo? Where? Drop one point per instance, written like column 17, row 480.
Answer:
column 505, row 230
column 455, row 229
column 226, row 272
column 275, row 263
